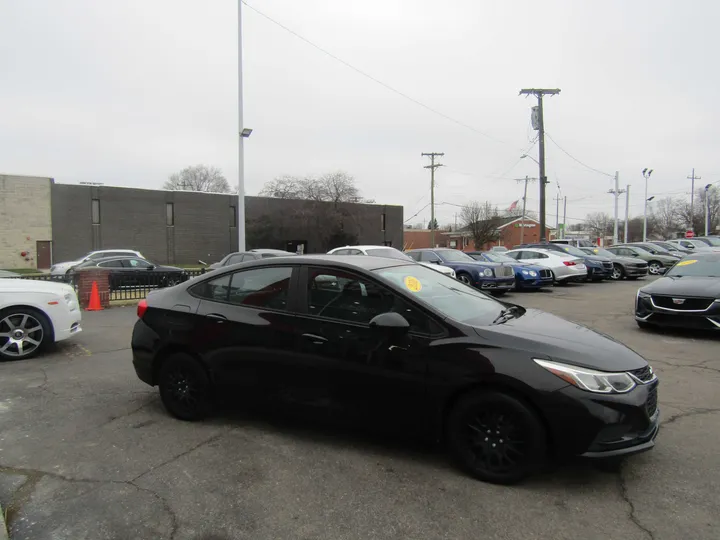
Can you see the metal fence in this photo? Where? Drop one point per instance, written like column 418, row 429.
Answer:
column 126, row 284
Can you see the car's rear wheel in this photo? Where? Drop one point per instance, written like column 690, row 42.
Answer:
column 465, row 278
column 496, row 437
column 655, row 267
column 617, row 272
column 185, row 388
column 23, row 333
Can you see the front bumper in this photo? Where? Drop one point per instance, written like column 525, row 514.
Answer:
column 634, row 271
column 65, row 333
column 496, row 284
column 648, row 313
column 606, row 425
column 598, row 273
column 534, row 283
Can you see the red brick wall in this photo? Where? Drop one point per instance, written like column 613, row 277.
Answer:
column 85, row 279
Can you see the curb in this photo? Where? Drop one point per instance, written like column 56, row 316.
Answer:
column 3, row 526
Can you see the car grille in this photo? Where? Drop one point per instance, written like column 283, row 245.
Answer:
column 682, row 321
column 607, row 265
column 652, row 400
column 639, row 265
column 644, row 374
column 696, row 304
column 545, row 274
column 504, row 271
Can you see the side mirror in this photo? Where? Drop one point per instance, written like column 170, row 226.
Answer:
column 635, row 254
column 435, row 261
column 151, row 267
column 390, row 321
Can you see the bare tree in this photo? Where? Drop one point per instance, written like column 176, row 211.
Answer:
column 698, row 219
column 335, row 187
column 598, row 222
column 480, row 221
column 198, row 178
column 666, row 217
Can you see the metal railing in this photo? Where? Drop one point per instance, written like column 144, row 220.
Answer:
column 125, row 284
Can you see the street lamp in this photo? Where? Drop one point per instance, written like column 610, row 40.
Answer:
column 707, row 222
column 646, row 174
column 527, row 156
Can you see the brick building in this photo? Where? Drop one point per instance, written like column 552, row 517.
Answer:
column 51, row 222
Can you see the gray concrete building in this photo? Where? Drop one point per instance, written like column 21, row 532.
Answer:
column 182, row 227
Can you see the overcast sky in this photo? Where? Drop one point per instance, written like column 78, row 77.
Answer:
column 127, row 93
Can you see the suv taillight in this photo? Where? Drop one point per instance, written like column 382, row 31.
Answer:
column 142, row 308
column 566, row 263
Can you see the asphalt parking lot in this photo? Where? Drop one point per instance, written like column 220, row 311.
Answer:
column 87, row 452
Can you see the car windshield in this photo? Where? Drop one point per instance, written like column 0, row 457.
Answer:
column 711, row 241
column 652, row 249
column 453, row 255
column 666, row 245
column 698, row 267
column 599, row 251
column 572, row 250
column 496, row 257
column 444, row 294
column 388, row 253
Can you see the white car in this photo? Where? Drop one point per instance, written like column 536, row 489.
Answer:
column 691, row 244
column 388, row 253
column 34, row 314
column 564, row 267
column 60, row 269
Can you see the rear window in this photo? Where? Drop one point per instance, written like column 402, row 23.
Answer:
column 387, row 253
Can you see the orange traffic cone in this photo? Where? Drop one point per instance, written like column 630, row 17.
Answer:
column 94, row 304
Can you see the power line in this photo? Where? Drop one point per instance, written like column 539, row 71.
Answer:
column 416, row 213
column 374, row 79
column 576, row 159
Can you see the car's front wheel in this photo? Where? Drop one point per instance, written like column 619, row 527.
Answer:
column 465, row 278
column 185, row 388
column 655, row 267
column 617, row 272
column 23, row 333
column 496, row 437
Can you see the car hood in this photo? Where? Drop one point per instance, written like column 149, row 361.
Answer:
column 438, row 267
column 628, row 260
column 34, row 285
column 162, row 268
column 704, row 287
column 596, row 258
column 545, row 335
column 68, row 264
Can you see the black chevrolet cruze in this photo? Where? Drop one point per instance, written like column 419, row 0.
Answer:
column 507, row 388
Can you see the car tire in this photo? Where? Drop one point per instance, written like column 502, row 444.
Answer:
column 465, row 278
column 632, row 278
column 498, row 293
column 35, row 332
column 496, row 437
column 655, row 268
column 618, row 272
column 185, row 388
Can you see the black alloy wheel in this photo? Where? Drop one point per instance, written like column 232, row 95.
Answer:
column 617, row 272
column 185, row 388
column 496, row 437
column 462, row 276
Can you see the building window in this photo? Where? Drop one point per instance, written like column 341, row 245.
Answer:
column 170, row 214
column 233, row 216
column 95, row 211
column 382, row 222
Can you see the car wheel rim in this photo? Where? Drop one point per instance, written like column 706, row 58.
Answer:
column 616, row 273
column 464, row 279
column 183, row 389
column 20, row 335
column 496, row 442
column 654, row 268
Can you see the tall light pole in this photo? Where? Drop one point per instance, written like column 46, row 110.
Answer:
column 627, row 212
column 646, row 174
column 707, row 222
column 243, row 134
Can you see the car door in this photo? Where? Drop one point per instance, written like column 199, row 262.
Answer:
column 245, row 327
column 351, row 368
column 115, row 272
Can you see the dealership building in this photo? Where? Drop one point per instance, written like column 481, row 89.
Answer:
column 44, row 222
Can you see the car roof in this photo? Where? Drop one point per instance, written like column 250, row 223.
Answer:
column 116, row 250
column 435, row 249
column 262, row 250
column 344, row 261
column 365, row 247
column 115, row 258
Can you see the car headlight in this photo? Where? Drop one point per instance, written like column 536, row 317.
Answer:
column 599, row 382
column 532, row 273
column 487, row 272
column 452, row 273
column 68, row 298
column 642, row 294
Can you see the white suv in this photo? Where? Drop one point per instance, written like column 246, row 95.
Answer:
column 388, row 253
column 60, row 269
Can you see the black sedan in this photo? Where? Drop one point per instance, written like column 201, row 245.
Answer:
column 688, row 296
column 390, row 340
column 252, row 255
column 134, row 271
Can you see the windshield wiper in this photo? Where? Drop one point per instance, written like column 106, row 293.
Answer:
column 507, row 314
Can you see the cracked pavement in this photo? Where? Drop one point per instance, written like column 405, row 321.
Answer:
column 87, row 452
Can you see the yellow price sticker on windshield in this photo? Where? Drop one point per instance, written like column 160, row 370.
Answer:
column 413, row 284
column 685, row 263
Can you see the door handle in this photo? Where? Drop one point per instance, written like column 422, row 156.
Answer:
column 216, row 317
column 317, row 340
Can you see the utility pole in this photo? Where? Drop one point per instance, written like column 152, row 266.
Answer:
column 455, row 229
column 525, row 180
column 627, row 212
column 692, row 199
column 707, row 210
column 616, row 192
column 646, row 174
column 557, row 215
column 432, row 168
column 539, row 125
column 564, row 217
